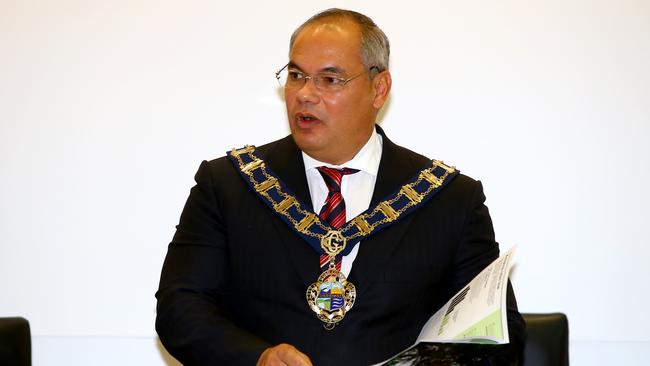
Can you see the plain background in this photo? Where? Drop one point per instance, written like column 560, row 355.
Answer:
column 108, row 107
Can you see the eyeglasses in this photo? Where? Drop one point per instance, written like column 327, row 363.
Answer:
column 290, row 78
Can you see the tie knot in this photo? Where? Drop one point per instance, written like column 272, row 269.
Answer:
column 333, row 176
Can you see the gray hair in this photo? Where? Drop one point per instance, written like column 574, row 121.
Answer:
column 375, row 49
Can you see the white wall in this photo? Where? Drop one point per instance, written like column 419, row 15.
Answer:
column 108, row 107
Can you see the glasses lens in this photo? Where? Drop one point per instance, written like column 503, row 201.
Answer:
column 292, row 79
column 330, row 83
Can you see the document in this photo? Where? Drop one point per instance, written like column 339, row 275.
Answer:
column 462, row 330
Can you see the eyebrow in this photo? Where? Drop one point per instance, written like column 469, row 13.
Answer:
column 332, row 69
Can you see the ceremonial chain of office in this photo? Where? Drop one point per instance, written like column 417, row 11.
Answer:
column 332, row 295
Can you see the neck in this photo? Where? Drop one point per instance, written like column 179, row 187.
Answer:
column 338, row 155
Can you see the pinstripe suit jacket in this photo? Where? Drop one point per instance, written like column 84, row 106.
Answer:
column 234, row 279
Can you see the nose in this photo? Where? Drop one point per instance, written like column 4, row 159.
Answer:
column 308, row 93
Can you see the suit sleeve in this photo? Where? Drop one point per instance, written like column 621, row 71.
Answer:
column 477, row 250
column 191, row 323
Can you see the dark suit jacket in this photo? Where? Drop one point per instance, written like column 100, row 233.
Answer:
column 235, row 276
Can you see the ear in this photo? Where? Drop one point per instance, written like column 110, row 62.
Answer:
column 382, row 83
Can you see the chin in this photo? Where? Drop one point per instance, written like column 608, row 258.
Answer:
column 308, row 144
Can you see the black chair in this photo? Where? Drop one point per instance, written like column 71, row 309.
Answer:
column 15, row 342
column 547, row 342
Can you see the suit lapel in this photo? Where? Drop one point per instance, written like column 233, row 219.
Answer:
column 396, row 167
column 285, row 159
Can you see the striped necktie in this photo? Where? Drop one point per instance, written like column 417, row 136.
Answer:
column 333, row 211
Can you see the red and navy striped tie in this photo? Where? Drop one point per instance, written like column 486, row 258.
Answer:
column 333, row 211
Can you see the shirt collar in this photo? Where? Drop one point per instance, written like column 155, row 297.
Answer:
column 367, row 159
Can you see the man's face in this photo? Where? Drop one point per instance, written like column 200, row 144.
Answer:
column 331, row 126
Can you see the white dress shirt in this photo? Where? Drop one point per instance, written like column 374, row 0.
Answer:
column 356, row 188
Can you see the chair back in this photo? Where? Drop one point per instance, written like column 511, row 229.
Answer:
column 547, row 341
column 15, row 342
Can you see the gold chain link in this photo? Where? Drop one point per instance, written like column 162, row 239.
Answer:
column 411, row 202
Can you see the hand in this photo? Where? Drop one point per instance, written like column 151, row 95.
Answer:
column 283, row 355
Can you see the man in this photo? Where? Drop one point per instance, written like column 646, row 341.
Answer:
column 233, row 285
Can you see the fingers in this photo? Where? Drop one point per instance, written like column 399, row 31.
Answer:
column 283, row 355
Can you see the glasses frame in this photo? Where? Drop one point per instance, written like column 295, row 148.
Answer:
column 307, row 77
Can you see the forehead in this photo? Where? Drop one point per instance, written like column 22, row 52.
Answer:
column 326, row 45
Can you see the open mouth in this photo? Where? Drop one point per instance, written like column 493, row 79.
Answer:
column 306, row 118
